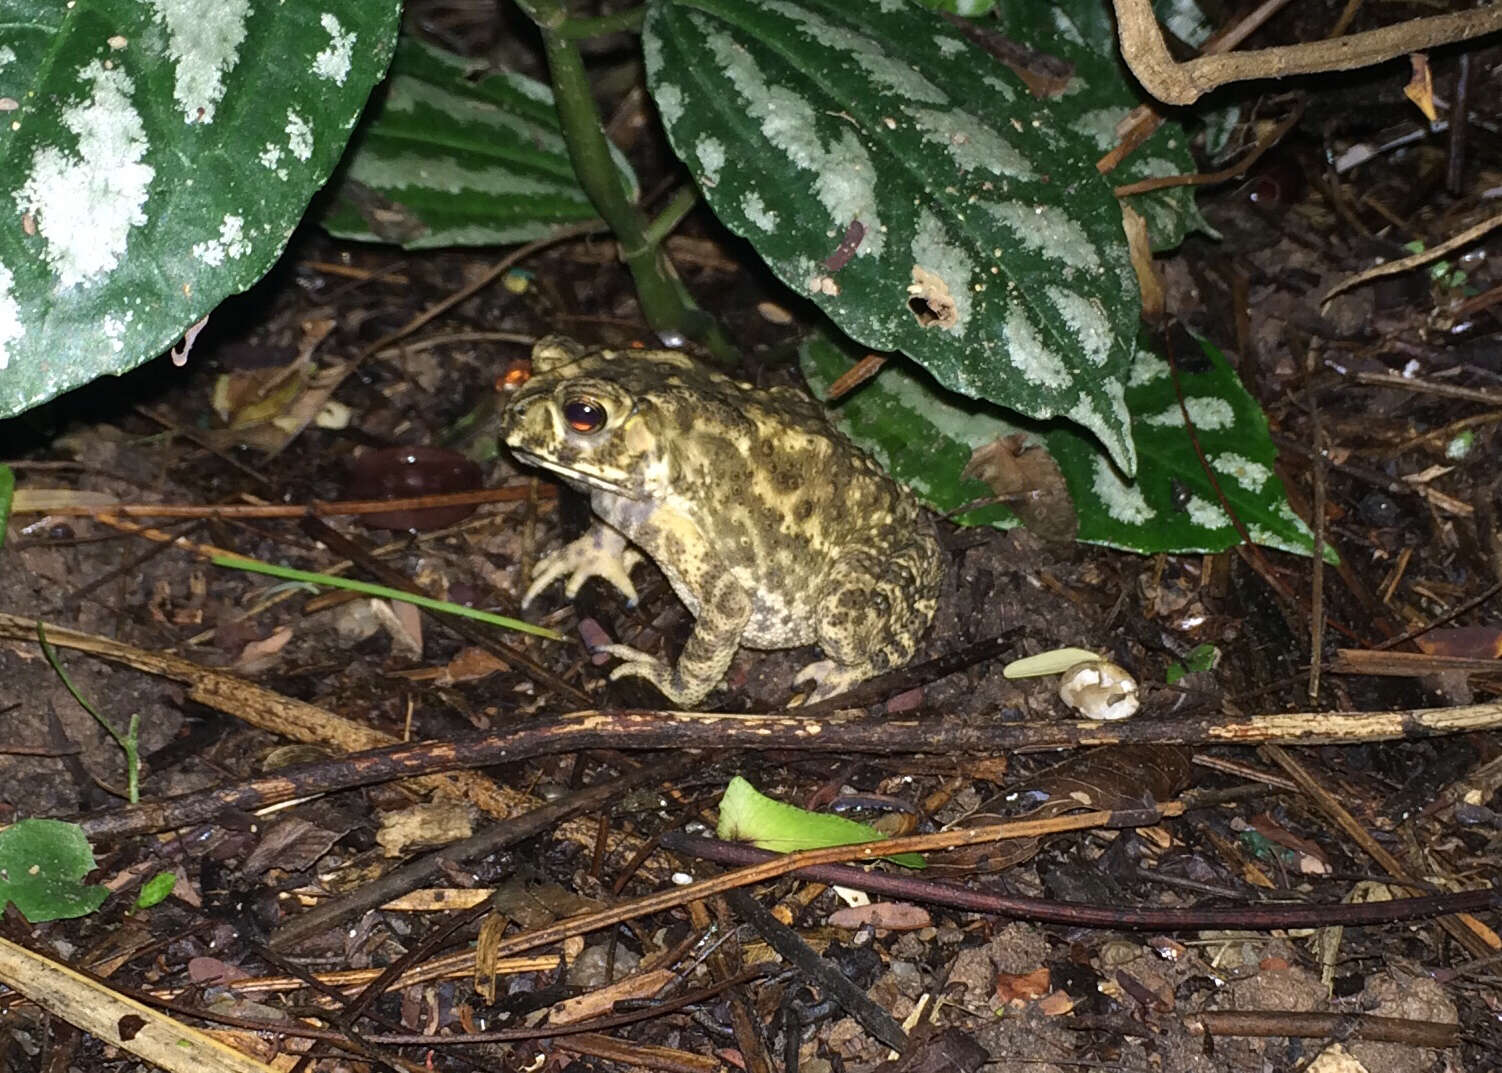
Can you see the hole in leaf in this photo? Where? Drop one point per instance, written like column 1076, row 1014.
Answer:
column 922, row 310
column 929, row 300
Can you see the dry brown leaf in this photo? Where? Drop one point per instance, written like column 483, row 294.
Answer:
column 1018, row 988
column 601, row 1000
column 1336, row 1059
column 1468, row 642
column 403, row 623
column 257, row 656
column 1253, row 874
column 1140, row 248
column 433, row 824
column 1056, row 1004
column 1277, row 834
column 1420, row 88
column 889, row 916
column 1112, row 777
column 1025, row 476
column 470, row 664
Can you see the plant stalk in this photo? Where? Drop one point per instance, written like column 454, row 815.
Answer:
column 665, row 304
column 666, row 222
column 577, row 28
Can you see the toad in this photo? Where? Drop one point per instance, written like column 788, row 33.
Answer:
column 771, row 526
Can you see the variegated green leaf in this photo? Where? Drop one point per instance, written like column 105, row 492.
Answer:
column 155, row 157
column 1100, row 97
column 968, row 8
column 907, row 182
column 924, row 435
column 448, row 159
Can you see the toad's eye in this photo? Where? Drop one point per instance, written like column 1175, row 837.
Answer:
column 584, row 415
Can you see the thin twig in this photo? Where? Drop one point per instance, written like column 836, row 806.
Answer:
column 1317, row 526
column 1430, row 387
column 1403, row 264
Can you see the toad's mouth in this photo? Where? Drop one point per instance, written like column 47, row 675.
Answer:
column 573, row 476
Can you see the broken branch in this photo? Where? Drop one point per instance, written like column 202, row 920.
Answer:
column 1145, row 52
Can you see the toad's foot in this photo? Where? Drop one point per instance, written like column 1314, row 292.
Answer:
column 668, row 680
column 723, row 614
column 830, row 678
column 602, row 552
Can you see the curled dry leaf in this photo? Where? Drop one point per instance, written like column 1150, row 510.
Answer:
column 403, row 622
column 641, row 985
column 1420, row 88
column 1025, row 477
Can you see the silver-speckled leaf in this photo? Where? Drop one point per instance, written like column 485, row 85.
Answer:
column 1084, row 33
column 925, row 435
column 448, row 159
column 906, row 181
column 155, row 156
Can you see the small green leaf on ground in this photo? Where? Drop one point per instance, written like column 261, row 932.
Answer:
column 156, row 889
column 749, row 816
column 1200, row 658
column 41, row 865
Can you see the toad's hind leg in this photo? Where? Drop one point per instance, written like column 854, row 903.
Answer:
column 724, row 610
column 873, row 609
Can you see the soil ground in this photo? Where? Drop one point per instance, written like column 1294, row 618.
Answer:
column 1414, row 518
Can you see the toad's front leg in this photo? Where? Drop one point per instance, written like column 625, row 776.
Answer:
column 602, row 552
column 724, row 610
